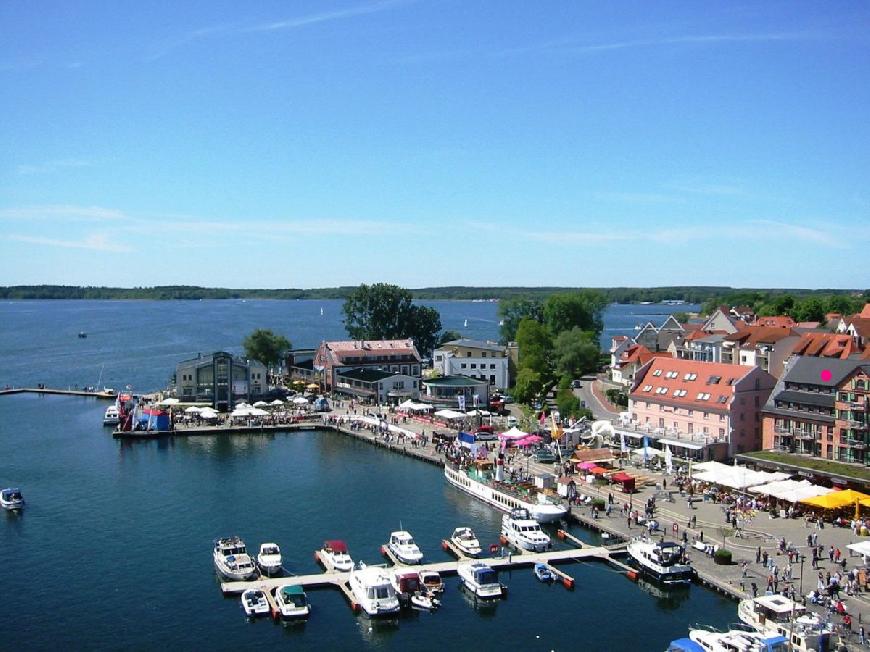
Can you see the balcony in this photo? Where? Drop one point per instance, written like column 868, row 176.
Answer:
column 653, row 432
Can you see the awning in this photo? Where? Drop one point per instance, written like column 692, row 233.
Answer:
column 450, row 414
column 621, row 476
column 836, row 499
column 513, row 433
column 681, row 444
column 862, row 547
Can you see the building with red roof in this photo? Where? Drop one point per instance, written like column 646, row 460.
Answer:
column 399, row 356
column 767, row 347
column 630, row 360
column 702, row 410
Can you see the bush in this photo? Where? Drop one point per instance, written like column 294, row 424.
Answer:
column 722, row 557
column 599, row 504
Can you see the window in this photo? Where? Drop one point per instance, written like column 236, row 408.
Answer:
column 492, row 366
column 483, row 355
column 723, row 399
column 712, row 380
column 690, row 376
column 703, row 396
column 646, row 388
column 721, row 432
column 474, row 365
column 468, row 354
column 492, row 379
column 691, row 412
column 691, row 428
column 672, row 374
column 462, row 365
column 680, row 392
column 657, row 372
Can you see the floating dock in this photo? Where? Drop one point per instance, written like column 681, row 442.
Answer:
column 339, row 580
column 110, row 396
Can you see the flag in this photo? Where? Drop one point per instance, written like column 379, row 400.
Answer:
column 461, row 400
column 669, row 459
column 622, row 445
column 557, row 430
column 645, row 450
column 543, row 418
column 476, row 400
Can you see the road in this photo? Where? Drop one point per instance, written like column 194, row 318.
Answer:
column 584, row 393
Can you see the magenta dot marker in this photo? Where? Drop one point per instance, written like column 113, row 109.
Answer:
column 826, row 375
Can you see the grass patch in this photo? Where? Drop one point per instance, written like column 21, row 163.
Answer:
column 826, row 466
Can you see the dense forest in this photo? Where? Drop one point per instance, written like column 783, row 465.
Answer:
column 709, row 295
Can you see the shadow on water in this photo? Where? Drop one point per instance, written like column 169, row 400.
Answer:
column 377, row 632
column 667, row 598
column 485, row 608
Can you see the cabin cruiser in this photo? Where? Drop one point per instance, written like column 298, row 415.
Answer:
column 269, row 559
column 403, row 547
column 738, row 640
column 334, row 555
column 664, row 561
column 777, row 615
column 465, row 539
column 480, row 579
column 431, row 581
column 254, row 602
column 11, row 499
column 112, row 417
column 372, row 588
column 491, row 487
column 411, row 591
column 232, row 560
column 522, row 531
column 292, row 602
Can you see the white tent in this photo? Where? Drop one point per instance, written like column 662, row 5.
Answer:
column 862, row 547
column 277, row 402
column 479, row 413
column 651, row 452
column 791, row 490
column 208, row 413
column 192, row 410
column 260, row 404
column 257, row 412
column 242, row 412
column 738, row 477
column 406, row 405
column 300, row 400
column 450, row 414
column 513, row 433
column 170, row 401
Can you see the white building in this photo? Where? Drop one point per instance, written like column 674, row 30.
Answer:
column 474, row 358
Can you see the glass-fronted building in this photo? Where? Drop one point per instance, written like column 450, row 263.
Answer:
column 221, row 379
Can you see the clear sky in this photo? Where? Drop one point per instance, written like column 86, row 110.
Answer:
column 435, row 142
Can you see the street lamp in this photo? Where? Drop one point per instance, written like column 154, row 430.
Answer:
column 803, row 557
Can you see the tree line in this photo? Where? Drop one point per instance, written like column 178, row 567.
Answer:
column 799, row 307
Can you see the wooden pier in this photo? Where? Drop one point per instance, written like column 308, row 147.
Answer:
column 340, row 580
column 448, row 546
column 61, row 392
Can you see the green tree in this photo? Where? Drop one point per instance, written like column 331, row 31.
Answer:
column 528, row 385
column 842, row 304
column 568, row 310
column 448, row 336
column 568, row 404
column 575, row 353
column 512, row 311
column 810, row 309
column 386, row 312
column 681, row 317
column 266, row 346
column 535, row 347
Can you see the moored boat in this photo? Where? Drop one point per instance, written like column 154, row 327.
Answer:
column 11, row 499
column 112, row 417
column 292, row 602
column 737, row 640
column 480, row 579
column 372, row 589
column 543, row 573
column 254, row 602
column 334, row 555
column 777, row 615
column 403, row 547
column 483, row 484
column 431, row 580
column 231, row 559
column 465, row 539
column 411, row 591
column 664, row 561
column 524, row 532
column 269, row 558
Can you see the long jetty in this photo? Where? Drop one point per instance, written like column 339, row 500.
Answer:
column 62, row 392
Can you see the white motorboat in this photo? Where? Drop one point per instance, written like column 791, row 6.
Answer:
column 465, row 539
column 373, row 590
column 431, row 581
column 738, row 640
column 777, row 615
column 480, row 579
column 334, row 555
column 484, row 485
column 269, row 558
column 411, row 591
column 231, row 559
column 11, row 499
column 663, row 561
column 112, row 417
column 522, row 531
column 254, row 602
column 403, row 547
column 292, row 602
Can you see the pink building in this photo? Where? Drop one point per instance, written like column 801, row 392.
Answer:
column 701, row 410
column 398, row 356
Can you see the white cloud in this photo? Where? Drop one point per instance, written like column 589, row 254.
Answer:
column 703, row 39
column 93, row 242
column 61, row 212
column 326, row 16
column 52, row 166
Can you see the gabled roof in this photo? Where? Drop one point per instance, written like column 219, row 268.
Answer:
column 337, row 351
column 473, row 344
column 807, row 370
column 865, row 312
column 779, row 321
column 826, row 345
column 366, row 374
column 861, row 326
column 707, row 386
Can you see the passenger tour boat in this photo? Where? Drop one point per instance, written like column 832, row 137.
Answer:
column 777, row 615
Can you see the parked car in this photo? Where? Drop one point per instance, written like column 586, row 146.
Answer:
column 576, row 384
column 544, row 456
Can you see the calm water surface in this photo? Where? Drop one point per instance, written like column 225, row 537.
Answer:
column 114, row 548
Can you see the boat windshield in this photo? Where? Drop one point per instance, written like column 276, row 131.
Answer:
column 486, row 576
column 382, row 592
column 296, row 600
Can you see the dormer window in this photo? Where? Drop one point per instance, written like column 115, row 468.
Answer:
column 646, row 388
column 657, row 372
column 690, row 376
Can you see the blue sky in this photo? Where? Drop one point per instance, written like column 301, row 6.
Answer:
column 312, row 144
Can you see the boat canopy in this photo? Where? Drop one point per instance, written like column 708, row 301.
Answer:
column 684, row 645
column 485, row 575
column 293, row 589
column 335, row 545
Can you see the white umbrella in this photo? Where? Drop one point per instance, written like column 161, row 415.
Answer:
column 208, row 414
column 277, row 401
column 192, row 410
column 513, row 433
column 170, row 401
column 241, row 412
column 257, row 412
column 300, row 400
column 260, row 404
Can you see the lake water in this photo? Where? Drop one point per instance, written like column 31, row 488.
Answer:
column 114, row 548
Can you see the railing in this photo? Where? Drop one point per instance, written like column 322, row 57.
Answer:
column 667, row 433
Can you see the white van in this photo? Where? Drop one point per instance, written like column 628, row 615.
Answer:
column 511, row 422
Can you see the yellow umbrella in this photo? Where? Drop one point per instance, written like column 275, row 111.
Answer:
column 313, row 386
column 836, row 499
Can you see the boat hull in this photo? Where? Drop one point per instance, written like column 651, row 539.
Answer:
column 542, row 513
column 235, row 575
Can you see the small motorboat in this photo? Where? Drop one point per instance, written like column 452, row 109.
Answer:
column 425, row 602
column 334, row 555
column 254, row 602
column 11, row 499
column 82, row 335
column 465, row 539
column 111, row 417
column 292, row 602
column 403, row 547
column 232, row 560
column 372, row 588
column 431, row 581
column 543, row 573
column 520, row 530
column 269, row 558
column 481, row 580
